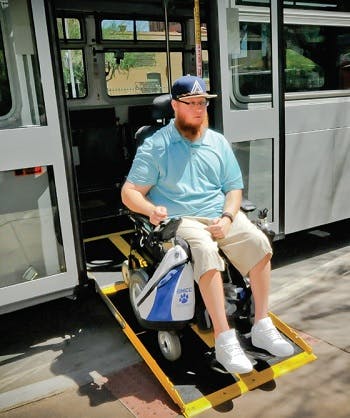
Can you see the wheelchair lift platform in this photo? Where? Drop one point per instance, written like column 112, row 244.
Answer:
column 190, row 381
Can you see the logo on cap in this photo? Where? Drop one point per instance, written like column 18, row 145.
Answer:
column 197, row 88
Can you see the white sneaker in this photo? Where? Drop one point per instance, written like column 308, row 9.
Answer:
column 230, row 354
column 266, row 336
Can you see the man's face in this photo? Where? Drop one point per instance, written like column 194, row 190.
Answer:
column 190, row 113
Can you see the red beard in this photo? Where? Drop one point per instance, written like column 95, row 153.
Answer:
column 190, row 130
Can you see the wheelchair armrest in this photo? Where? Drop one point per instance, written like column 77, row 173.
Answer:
column 167, row 229
column 141, row 221
column 247, row 206
column 163, row 232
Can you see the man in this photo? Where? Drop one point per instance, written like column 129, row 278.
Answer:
column 188, row 170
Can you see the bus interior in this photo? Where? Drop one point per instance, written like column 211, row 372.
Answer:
column 115, row 60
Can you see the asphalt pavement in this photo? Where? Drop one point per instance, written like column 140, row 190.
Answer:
column 70, row 358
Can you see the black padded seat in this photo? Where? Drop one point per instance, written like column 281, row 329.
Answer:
column 162, row 112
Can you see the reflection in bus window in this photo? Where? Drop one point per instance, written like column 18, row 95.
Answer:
column 69, row 28
column 205, row 67
column 117, row 29
column 254, row 2
column 145, row 30
column 304, row 4
column 5, row 93
column 311, row 64
column 204, row 32
column 155, row 31
column 136, row 73
column 250, row 59
column 253, row 62
column 19, row 68
column 74, row 74
column 30, row 236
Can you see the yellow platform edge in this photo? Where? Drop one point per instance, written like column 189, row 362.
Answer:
column 245, row 382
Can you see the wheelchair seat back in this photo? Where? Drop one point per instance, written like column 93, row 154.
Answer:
column 162, row 112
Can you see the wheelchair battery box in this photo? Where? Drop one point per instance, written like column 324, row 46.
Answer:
column 168, row 299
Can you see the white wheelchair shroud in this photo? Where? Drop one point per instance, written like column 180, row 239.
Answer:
column 169, row 295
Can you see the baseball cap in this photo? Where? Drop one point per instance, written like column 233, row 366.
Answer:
column 190, row 86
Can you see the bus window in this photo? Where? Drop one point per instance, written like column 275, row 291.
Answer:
column 135, row 73
column 305, row 4
column 205, row 65
column 254, row 2
column 253, row 63
column 204, row 32
column 117, row 29
column 30, row 239
column 70, row 33
column 141, row 30
column 5, row 93
column 155, row 31
column 250, row 56
column 74, row 74
column 19, row 69
column 69, row 28
column 311, row 64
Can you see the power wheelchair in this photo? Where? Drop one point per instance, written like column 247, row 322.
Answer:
column 159, row 274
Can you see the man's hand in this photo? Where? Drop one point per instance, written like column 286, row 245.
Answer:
column 219, row 227
column 158, row 215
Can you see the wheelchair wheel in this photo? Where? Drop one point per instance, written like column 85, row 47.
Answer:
column 170, row 345
column 126, row 272
column 137, row 281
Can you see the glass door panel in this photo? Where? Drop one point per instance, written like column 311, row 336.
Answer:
column 30, row 236
column 37, row 246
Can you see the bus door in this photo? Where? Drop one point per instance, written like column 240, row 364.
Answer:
column 250, row 100
column 115, row 59
column 37, row 249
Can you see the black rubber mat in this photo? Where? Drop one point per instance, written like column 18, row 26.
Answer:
column 192, row 374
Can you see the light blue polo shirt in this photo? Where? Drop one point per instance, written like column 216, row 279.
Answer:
column 188, row 178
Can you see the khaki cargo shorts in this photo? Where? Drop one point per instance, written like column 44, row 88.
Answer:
column 245, row 245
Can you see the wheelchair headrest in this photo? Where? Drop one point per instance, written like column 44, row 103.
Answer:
column 162, row 108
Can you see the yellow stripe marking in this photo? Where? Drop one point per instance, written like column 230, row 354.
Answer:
column 108, row 235
column 120, row 243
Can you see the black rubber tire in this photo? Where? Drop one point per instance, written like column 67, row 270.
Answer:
column 169, row 344
column 137, row 281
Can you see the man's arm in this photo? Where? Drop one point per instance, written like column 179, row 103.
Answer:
column 233, row 200
column 134, row 197
column 220, row 226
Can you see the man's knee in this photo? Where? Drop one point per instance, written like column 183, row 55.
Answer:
column 206, row 260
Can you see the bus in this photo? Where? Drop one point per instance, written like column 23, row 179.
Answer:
column 77, row 79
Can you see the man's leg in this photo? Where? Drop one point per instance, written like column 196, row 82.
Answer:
column 228, row 351
column 212, row 291
column 264, row 333
column 260, row 283
column 250, row 252
column 207, row 264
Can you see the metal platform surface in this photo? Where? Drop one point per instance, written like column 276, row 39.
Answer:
column 190, row 381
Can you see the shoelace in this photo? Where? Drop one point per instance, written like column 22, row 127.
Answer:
column 232, row 348
column 272, row 333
